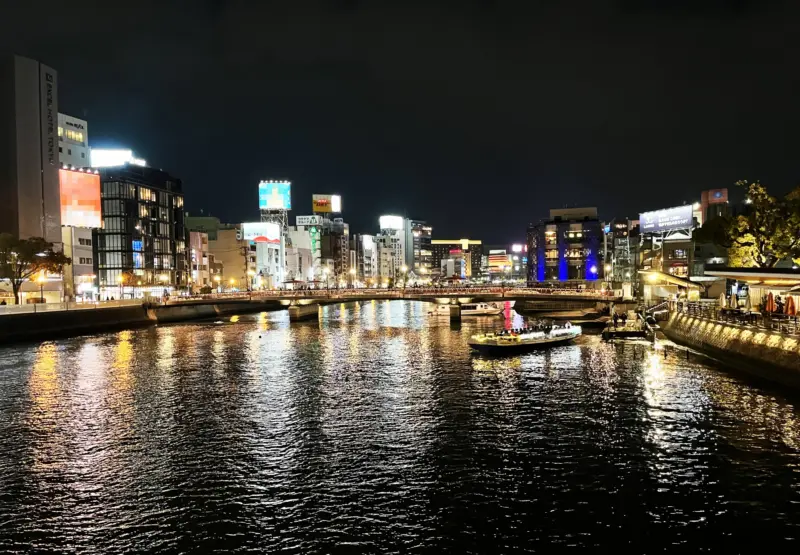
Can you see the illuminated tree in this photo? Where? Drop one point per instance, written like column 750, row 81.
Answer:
column 21, row 259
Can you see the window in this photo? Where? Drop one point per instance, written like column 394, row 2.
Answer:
column 69, row 151
column 60, row 149
column 85, row 242
column 85, row 261
column 60, row 131
column 83, row 155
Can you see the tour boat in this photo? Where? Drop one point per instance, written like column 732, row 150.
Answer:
column 524, row 339
column 481, row 309
column 440, row 310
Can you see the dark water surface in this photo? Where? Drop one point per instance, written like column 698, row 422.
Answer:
column 375, row 431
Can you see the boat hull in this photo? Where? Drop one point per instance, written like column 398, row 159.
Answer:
column 491, row 348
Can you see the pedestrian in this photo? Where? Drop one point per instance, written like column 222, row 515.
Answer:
column 3, row 302
column 624, row 319
column 616, row 319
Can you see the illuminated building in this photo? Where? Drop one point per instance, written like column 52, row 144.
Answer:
column 566, row 247
column 504, row 262
column 391, row 242
column 81, row 214
column 29, row 187
column 418, row 247
column 621, row 241
column 364, row 257
column 198, row 256
column 143, row 239
column 73, row 142
column 468, row 250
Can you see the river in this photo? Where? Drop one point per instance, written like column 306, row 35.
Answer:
column 373, row 430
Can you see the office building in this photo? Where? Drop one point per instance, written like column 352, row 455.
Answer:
column 198, row 257
column 73, row 142
column 566, row 247
column 392, row 242
column 29, row 162
column 364, row 258
column 467, row 249
column 79, row 281
column 504, row 262
column 299, row 254
column 141, row 248
column 236, row 256
column 418, row 247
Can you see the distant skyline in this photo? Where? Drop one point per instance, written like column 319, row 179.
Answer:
column 476, row 116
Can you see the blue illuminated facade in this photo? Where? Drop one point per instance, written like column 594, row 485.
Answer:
column 566, row 248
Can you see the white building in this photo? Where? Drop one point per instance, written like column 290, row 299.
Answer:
column 313, row 226
column 299, row 259
column 73, row 141
column 391, row 244
column 198, row 253
column 78, row 277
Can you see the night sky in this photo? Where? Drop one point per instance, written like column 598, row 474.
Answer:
column 476, row 116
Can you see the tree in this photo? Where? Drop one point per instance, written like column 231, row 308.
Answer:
column 21, row 259
column 756, row 235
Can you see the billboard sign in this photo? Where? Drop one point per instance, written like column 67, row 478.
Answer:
column 326, row 204
column 275, row 195
column 262, row 232
column 308, row 220
column 668, row 219
column 109, row 157
column 391, row 222
column 80, row 198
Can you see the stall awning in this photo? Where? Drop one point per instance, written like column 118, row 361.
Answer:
column 653, row 276
column 780, row 277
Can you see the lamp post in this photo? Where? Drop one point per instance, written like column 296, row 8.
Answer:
column 120, row 281
column 232, row 283
column 41, row 279
column 352, row 277
column 404, row 270
column 217, row 279
column 250, row 275
column 326, row 272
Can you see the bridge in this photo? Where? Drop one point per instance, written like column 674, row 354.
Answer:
column 303, row 303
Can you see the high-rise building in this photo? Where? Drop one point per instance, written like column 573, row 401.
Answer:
column 141, row 247
column 299, row 257
column 567, row 247
column 392, row 244
column 418, row 247
column 73, row 142
column 29, row 164
column 469, row 250
column 364, row 252
column 198, row 256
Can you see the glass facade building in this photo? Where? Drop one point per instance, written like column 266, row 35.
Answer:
column 142, row 245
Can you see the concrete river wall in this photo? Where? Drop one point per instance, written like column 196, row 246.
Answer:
column 48, row 325
column 758, row 352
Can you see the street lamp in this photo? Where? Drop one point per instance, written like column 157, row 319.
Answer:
column 217, row 279
column 232, row 282
column 41, row 279
column 120, row 281
column 404, row 269
column 325, row 272
column 352, row 277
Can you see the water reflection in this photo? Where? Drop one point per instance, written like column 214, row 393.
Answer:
column 375, row 430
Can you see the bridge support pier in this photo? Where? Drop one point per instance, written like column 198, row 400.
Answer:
column 299, row 312
column 455, row 312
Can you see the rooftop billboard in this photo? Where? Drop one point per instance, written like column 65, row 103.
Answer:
column 80, row 198
column 668, row 219
column 326, row 204
column 391, row 222
column 275, row 195
column 262, row 232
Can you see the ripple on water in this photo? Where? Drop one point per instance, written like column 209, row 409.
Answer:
column 374, row 431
